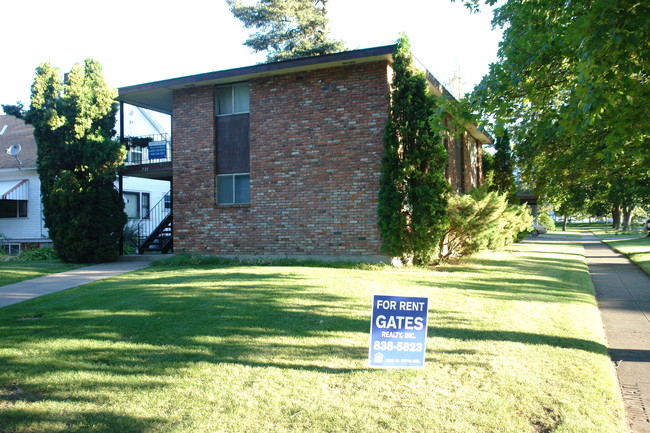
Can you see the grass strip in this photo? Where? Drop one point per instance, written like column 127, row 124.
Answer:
column 515, row 344
column 637, row 250
column 15, row 271
column 614, row 234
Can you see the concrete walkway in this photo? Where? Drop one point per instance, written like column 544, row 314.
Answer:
column 18, row 292
column 623, row 293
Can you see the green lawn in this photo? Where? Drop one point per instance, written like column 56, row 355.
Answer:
column 637, row 249
column 610, row 233
column 15, row 271
column 515, row 345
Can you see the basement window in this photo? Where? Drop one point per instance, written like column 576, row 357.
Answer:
column 11, row 249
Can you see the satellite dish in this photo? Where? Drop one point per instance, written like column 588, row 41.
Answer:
column 14, row 150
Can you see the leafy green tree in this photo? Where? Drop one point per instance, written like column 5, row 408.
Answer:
column 571, row 80
column 287, row 29
column 413, row 192
column 77, row 161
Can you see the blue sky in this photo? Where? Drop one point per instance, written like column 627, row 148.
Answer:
column 140, row 41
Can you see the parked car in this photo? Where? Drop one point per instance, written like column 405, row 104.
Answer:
column 537, row 230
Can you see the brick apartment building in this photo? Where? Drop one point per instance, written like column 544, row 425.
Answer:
column 283, row 159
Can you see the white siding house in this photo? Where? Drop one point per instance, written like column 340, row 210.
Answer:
column 21, row 212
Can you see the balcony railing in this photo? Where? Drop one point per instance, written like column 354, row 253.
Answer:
column 149, row 149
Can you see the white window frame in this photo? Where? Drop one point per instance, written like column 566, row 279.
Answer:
column 11, row 249
column 142, row 212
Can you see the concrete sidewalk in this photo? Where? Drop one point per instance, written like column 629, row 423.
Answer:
column 623, row 294
column 18, row 292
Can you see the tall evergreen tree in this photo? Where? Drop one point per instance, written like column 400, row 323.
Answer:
column 77, row 161
column 413, row 191
column 287, row 29
column 503, row 181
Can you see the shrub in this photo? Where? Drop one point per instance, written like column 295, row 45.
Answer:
column 546, row 221
column 130, row 236
column 44, row 253
column 480, row 221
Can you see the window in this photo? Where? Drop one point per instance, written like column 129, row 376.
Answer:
column 233, row 144
column 13, row 208
column 144, row 199
column 136, row 205
column 134, row 156
column 232, row 99
column 233, row 188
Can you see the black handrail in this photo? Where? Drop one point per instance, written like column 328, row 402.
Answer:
column 153, row 218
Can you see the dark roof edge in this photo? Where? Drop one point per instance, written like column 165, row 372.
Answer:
column 263, row 68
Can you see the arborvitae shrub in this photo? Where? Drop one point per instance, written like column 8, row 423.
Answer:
column 545, row 220
column 481, row 221
column 413, row 189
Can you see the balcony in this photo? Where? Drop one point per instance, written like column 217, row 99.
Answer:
column 149, row 157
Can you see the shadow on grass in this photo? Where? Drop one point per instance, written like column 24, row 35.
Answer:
column 538, row 279
column 23, row 420
column 518, row 337
column 165, row 322
column 158, row 325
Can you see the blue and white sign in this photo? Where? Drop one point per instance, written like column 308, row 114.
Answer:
column 398, row 332
column 158, row 150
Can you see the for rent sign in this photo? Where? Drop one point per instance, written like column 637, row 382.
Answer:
column 398, row 332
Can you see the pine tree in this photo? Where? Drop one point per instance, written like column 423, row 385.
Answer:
column 504, row 178
column 413, row 192
column 77, row 161
column 287, row 29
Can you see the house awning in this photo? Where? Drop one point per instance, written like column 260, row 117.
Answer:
column 14, row 190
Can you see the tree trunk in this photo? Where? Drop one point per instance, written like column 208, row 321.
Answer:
column 627, row 217
column 616, row 217
column 566, row 219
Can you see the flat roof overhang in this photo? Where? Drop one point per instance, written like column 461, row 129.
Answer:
column 157, row 96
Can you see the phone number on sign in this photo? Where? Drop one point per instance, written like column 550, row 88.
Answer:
column 400, row 346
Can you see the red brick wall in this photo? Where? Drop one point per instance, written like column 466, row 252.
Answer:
column 471, row 160
column 473, row 163
column 316, row 145
column 193, row 155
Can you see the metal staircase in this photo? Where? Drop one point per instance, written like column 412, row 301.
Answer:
column 155, row 230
